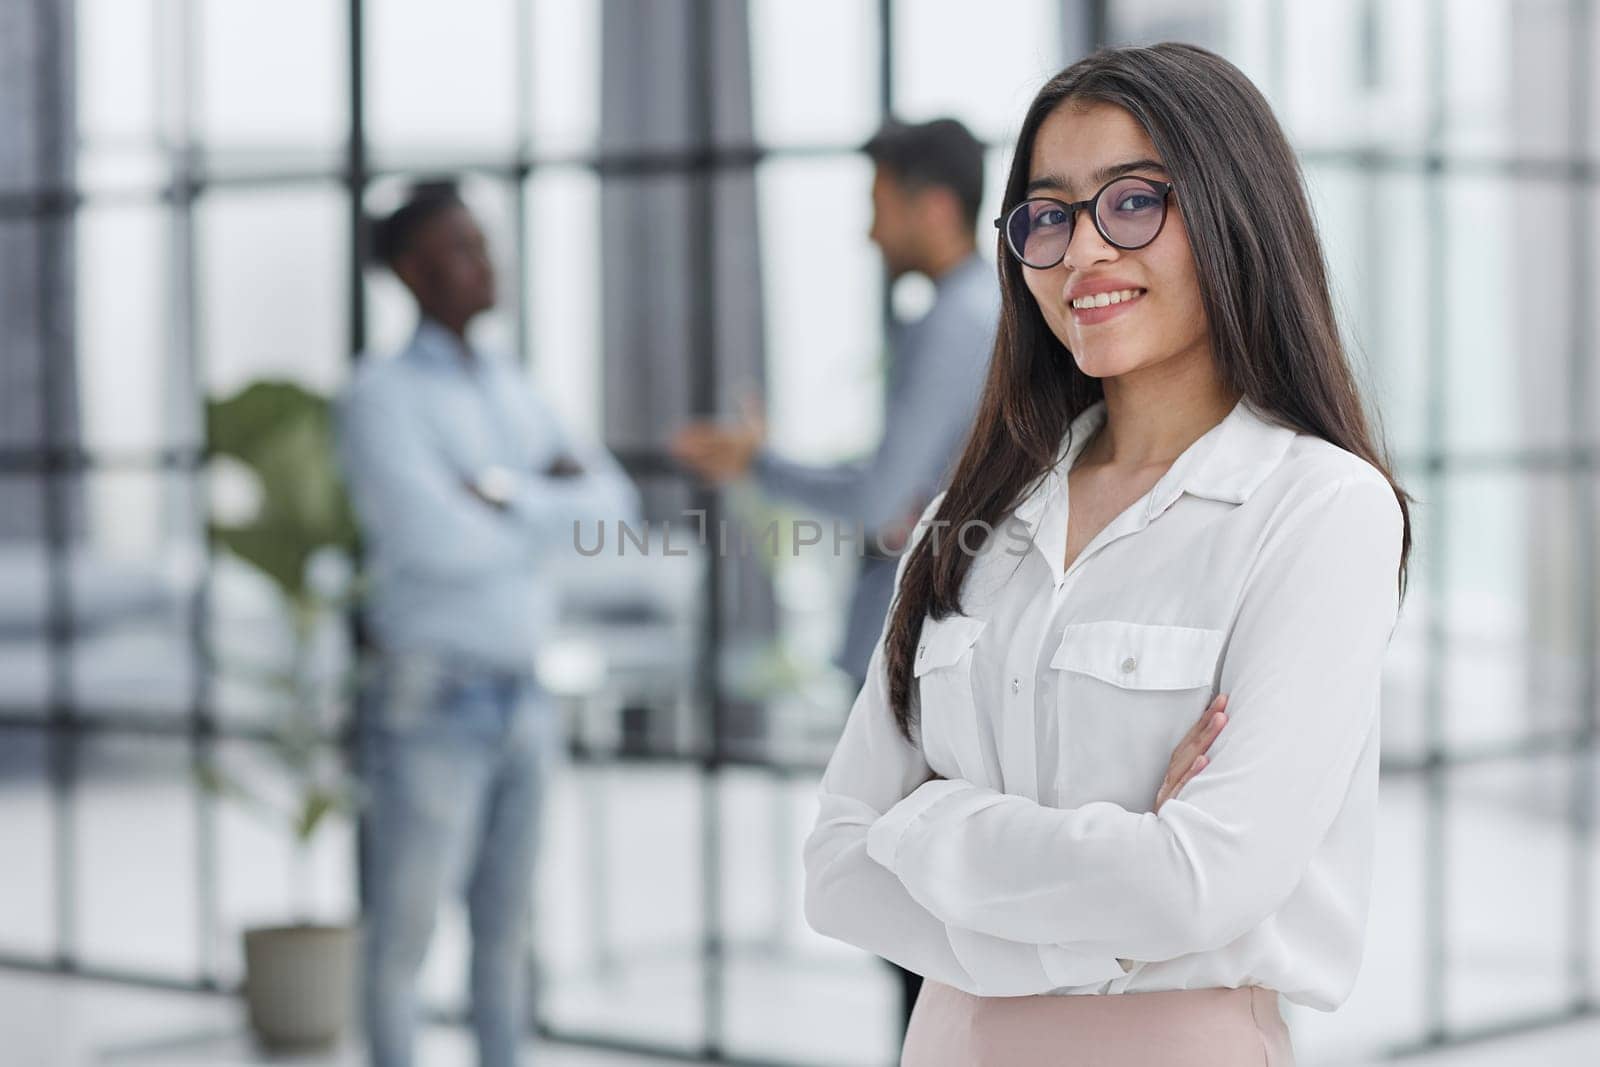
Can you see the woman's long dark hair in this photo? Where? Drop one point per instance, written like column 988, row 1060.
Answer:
column 1262, row 283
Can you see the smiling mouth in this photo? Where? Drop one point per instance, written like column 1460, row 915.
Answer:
column 1100, row 300
column 1095, row 313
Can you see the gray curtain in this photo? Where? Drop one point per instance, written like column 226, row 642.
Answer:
column 36, row 251
column 653, row 269
column 649, row 104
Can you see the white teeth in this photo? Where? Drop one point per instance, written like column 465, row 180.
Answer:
column 1100, row 300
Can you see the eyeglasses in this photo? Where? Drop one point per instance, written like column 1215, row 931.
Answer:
column 1128, row 212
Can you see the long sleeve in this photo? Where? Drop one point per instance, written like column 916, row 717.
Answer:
column 548, row 507
column 850, row 897
column 925, row 420
column 429, row 524
column 1302, row 670
column 411, row 500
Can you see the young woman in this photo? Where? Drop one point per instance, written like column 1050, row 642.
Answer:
column 1171, row 500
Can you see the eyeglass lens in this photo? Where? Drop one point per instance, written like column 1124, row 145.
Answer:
column 1129, row 211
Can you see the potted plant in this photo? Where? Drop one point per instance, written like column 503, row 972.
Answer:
column 299, row 977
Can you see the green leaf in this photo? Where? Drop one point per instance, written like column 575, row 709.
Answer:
column 317, row 804
column 284, row 434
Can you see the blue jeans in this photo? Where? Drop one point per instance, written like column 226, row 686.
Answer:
column 455, row 759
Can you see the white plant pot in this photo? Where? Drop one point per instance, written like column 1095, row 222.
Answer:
column 299, row 984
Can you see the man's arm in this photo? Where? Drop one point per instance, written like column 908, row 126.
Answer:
column 580, row 483
column 411, row 501
column 925, row 424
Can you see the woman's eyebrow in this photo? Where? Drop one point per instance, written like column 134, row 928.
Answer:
column 1100, row 177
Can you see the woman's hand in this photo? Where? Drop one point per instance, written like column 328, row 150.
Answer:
column 1189, row 758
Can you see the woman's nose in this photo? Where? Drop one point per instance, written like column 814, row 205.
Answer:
column 1086, row 246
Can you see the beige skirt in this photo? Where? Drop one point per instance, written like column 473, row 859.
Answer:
column 1177, row 1028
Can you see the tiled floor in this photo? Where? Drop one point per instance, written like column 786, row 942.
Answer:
column 49, row 1021
column 1576, row 1045
column 621, row 923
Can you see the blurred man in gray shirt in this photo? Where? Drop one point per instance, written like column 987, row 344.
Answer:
column 926, row 194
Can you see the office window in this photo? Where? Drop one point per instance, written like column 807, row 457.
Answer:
column 260, row 253
column 1506, row 340
column 441, row 80
column 564, row 300
column 256, row 111
column 621, row 927
column 25, row 667
column 134, row 856
column 133, row 578
column 132, row 382
column 821, row 287
column 1393, row 294
column 561, row 66
column 28, row 898
column 1507, row 881
column 817, row 65
column 121, row 89
column 981, row 65
column 1514, row 666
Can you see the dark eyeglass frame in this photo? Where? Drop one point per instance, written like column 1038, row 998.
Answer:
column 1165, row 189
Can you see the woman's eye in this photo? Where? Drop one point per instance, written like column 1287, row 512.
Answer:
column 1052, row 216
column 1136, row 202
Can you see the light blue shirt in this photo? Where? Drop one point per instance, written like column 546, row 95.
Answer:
column 936, row 370
column 452, row 574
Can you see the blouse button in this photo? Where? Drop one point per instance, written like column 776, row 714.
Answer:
column 1129, row 664
column 1016, row 685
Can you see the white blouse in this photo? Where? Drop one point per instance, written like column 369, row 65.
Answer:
column 1263, row 565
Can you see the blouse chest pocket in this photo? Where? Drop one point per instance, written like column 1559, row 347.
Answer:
column 1132, row 655
column 1129, row 692
column 943, row 671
